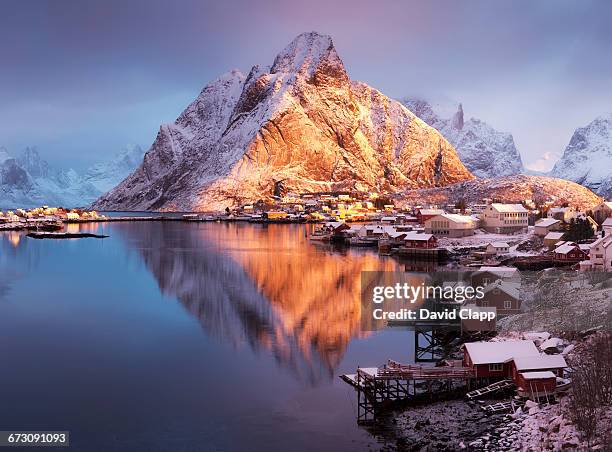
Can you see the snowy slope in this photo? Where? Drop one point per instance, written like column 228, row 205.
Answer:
column 587, row 159
column 300, row 124
column 511, row 189
column 485, row 151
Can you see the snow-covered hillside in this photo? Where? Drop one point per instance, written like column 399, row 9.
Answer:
column 512, row 189
column 28, row 181
column 300, row 124
column 485, row 151
column 587, row 159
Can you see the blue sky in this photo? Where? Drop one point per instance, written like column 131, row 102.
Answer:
column 81, row 79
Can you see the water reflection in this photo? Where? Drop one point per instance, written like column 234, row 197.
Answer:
column 267, row 287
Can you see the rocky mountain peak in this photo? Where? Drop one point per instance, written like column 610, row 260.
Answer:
column 457, row 121
column 30, row 160
column 588, row 155
column 485, row 151
column 307, row 54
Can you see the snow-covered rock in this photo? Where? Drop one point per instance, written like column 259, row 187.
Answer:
column 587, row 159
column 300, row 125
column 485, row 151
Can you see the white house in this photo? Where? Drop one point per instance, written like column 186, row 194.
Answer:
column 607, row 226
column 562, row 213
column 450, row 225
column 505, row 218
column 546, row 225
column 495, row 248
column 600, row 256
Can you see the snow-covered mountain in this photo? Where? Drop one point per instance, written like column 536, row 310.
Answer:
column 300, row 125
column 485, row 151
column 587, row 159
column 29, row 181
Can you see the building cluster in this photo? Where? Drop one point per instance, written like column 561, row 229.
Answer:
column 40, row 216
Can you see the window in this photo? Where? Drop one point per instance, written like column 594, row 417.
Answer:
column 496, row 367
column 507, row 304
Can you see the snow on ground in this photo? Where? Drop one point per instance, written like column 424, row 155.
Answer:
column 483, row 238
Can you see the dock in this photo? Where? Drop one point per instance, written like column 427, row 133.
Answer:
column 378, row 387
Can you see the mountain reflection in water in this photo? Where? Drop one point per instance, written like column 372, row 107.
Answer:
column 265, row 286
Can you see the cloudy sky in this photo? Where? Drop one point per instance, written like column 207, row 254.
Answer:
column 81, row 79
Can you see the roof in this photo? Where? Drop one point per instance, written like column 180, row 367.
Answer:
column 531, row 362
column 566, row 248
column 508, row 207
column 499, row 245
column 457, row 218
column 537, row 375
column 431, row 211
column 545, row 222
column 509, row 288
column 554, row 236
column 500, row 271
column 418, row 236
column 607, row 222
column 499, row 352
column 605, row 241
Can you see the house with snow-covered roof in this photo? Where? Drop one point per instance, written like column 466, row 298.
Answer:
column 493, row 359
column 450, row 225
column 546, row 225
column 569, row 252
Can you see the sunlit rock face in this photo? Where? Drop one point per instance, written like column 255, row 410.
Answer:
column 263, row 288
column 301, row 121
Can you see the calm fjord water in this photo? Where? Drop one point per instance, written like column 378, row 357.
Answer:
column 187, row 336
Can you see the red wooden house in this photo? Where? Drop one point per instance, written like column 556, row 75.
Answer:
column 494, row 359
column 570, row 252
column 424, row 241
column 425, row 214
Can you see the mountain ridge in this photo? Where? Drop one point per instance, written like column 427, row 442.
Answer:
column 300, row 124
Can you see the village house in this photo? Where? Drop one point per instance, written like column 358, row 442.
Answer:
column 567, row 252
column 423, row 241
column 552, row 238
column 606, row 226
column 425, row 214
column 505, row 218
column 540, row 362
column 602, row 211
column 600, row 255
column 493, row 359
column 503, row 296
column 564, row 214
column 449, row 225
column 495, row 248
column 546, row 225
column 487, row 275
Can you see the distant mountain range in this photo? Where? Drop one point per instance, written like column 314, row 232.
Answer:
column 587, row 159
column 302, row 125
column 26, row 180
column 485, row 151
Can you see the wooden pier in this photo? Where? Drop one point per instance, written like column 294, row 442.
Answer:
column 379, row 387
